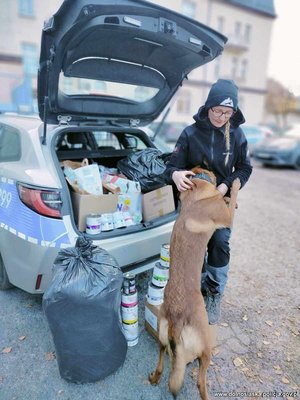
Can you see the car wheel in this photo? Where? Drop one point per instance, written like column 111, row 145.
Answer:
column 297, row 163
column 4, row 281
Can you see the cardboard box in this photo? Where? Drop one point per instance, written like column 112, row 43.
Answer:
column 157, row 203
column 151, row 319
column 84, row 204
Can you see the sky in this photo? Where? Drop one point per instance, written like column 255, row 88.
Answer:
column 284, row 57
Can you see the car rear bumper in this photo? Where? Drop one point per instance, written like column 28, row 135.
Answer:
column 136, row 252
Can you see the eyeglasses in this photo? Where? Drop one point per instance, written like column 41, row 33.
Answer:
column 219, row 113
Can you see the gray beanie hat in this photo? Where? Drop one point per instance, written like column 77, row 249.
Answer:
column 223, row 93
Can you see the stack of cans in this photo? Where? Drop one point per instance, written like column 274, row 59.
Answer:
column 160, row 277
column 129, row 310
column 97, row 223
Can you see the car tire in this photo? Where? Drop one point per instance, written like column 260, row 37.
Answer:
column 4, row 281
column 297, row 164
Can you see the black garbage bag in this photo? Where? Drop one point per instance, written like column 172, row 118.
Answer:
column 82, row 306
column 145, row 166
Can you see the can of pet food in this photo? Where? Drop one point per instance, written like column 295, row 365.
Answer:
column 119, row 220
column 165, row 255
column 107, row 222
column 129, row 283
column 129, row 308
column 160, row 275
column 93, row 224
column 155, row 294
column 131, row 332
column 128, row 219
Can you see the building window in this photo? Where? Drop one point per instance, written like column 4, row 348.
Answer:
column 26, row 8
column 30, row 58
column 234, row 66
column 247, row 34
column 217, row 67
column 237, row 29
column 188, row 8
column 184, row 102
column 244, row 69
column 220, row 24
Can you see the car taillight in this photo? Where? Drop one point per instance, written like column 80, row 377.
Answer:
column 44, row 202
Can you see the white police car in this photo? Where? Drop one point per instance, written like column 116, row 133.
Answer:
column 106, row 69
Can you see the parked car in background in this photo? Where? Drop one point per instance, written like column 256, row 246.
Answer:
column 255, row 134
column 104, row 74
column 283, row 150
column 169, row 130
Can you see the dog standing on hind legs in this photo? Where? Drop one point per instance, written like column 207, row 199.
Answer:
column 183, row 323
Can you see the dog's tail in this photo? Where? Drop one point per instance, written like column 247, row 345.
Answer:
column 178, row 363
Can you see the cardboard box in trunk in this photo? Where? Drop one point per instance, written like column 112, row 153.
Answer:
column 84, row 204
column 151, row 319
column 157, row 203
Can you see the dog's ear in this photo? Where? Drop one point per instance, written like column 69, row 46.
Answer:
column 197, row 169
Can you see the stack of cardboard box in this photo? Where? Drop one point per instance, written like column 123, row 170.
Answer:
column 119, row 194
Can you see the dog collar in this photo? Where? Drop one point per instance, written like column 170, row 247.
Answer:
column 203, row 176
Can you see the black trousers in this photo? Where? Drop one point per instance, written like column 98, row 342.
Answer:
column 216, row 264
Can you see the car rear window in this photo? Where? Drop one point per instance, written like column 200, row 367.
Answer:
column 80, row 86
column 10, row 143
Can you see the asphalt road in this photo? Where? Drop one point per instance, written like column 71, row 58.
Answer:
column 258, row 350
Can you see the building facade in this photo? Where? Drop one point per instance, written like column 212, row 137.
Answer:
column 248, row 27
column 246, row 23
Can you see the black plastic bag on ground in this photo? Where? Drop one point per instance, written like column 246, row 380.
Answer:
column 82, row 306
column 145, row 166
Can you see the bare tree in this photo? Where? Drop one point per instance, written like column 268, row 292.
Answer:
column 280, row 102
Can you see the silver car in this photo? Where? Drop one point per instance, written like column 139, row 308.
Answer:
column 106, row 70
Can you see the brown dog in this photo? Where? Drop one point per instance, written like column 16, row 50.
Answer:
column 183, row 323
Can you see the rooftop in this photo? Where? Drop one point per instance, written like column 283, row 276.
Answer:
column 261, row 6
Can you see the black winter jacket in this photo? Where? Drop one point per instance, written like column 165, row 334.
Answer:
column 203, row 144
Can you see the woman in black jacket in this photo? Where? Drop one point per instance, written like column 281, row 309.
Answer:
column 216, row 142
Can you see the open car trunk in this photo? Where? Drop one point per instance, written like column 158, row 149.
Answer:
column 105, row 147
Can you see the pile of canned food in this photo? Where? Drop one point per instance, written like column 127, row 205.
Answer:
column 96, row 223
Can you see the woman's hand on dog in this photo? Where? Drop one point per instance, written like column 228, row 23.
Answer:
column 182, row 181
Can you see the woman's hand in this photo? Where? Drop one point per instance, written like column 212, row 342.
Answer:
column 222, row 188
column 182, row 181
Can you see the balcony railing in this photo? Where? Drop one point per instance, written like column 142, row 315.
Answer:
column 236, row 43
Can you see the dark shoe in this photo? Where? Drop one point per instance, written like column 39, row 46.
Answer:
column 213, row 306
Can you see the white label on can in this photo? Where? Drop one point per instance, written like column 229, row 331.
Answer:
column 160, row 275
column 131, row 331
column 165, row 255
column 129, row 300
column 129, row 314
column 107, row 222
column 155, row 294
column 93, row 224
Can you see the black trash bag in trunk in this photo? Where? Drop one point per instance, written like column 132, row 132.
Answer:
column 145, row 166
column 82, row 306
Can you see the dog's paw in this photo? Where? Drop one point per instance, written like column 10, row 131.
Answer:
column 227, row 201
column 236, row 184
column 154, row 378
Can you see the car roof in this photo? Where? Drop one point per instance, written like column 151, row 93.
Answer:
column 26, row 122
